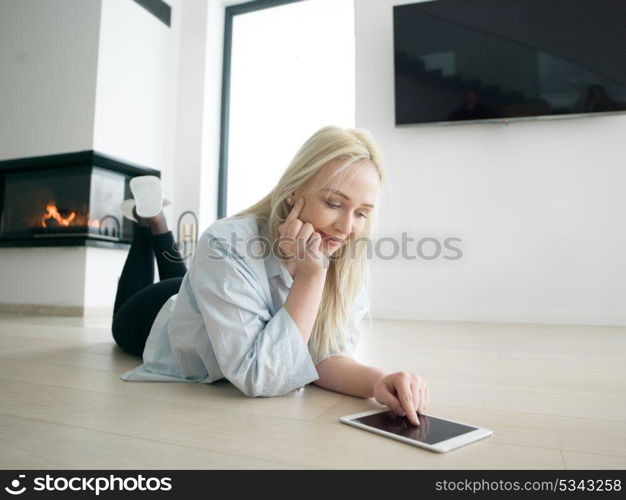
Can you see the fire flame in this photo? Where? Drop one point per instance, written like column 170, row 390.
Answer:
column 53, row 213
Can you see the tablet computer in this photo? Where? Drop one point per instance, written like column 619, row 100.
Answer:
column 434, row 433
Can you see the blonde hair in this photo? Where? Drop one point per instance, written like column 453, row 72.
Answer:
column 348, row 272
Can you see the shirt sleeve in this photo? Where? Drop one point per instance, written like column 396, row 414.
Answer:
column 261, row 354
column 359, row 310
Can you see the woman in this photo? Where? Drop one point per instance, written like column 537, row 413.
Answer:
column 274, row 295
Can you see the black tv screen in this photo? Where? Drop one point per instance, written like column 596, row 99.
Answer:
column 468, row 60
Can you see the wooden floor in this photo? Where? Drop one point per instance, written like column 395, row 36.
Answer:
column 555, row 397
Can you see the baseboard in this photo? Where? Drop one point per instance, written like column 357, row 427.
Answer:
column 401, row 314
column 98, row 312
column 54, row 310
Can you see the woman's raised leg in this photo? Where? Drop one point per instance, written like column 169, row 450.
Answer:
column 139, row 299
column 170, row 262
column 138, row 270
column 133, row 321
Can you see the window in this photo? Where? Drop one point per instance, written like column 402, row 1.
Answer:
column 288, row 71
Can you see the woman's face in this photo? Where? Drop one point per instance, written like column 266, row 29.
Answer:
column 338, row 213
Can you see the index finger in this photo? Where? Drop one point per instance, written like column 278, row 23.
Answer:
column 295, row 211
column 405, row 395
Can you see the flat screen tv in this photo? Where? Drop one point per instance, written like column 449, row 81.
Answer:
column 499, row 60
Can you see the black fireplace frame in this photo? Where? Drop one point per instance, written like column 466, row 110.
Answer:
column 89, row 158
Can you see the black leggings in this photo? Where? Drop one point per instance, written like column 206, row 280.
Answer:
column 138, row 298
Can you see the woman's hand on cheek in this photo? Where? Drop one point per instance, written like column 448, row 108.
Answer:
column 300, row 243
column 404, row 393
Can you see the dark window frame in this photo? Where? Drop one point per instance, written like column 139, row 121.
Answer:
column 230, row 13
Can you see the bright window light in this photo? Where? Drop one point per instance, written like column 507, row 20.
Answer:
column 292, row 72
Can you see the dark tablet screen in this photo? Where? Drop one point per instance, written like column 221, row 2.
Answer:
column 431, row 430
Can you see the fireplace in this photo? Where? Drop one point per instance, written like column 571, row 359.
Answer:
column 69, row 199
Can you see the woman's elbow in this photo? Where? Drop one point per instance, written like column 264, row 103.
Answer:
column 269, row 379
column 262, row 392
column 259, row 385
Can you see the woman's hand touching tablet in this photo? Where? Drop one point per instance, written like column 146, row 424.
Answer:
column 404, row 393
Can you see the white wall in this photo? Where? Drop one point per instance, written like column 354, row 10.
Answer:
column 103, row 267
column 88, row 74
column 539, row 206
column 135, row 114
column 208, row 176
column 62, row 277
column 48, row 59
column 149, row 95
column 51, row 276
column 77, row 75
column 190, row 107
column 198, row 137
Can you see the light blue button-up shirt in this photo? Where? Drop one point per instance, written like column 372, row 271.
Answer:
column 229, row 321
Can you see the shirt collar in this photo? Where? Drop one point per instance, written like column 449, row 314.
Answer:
column 273, row 265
